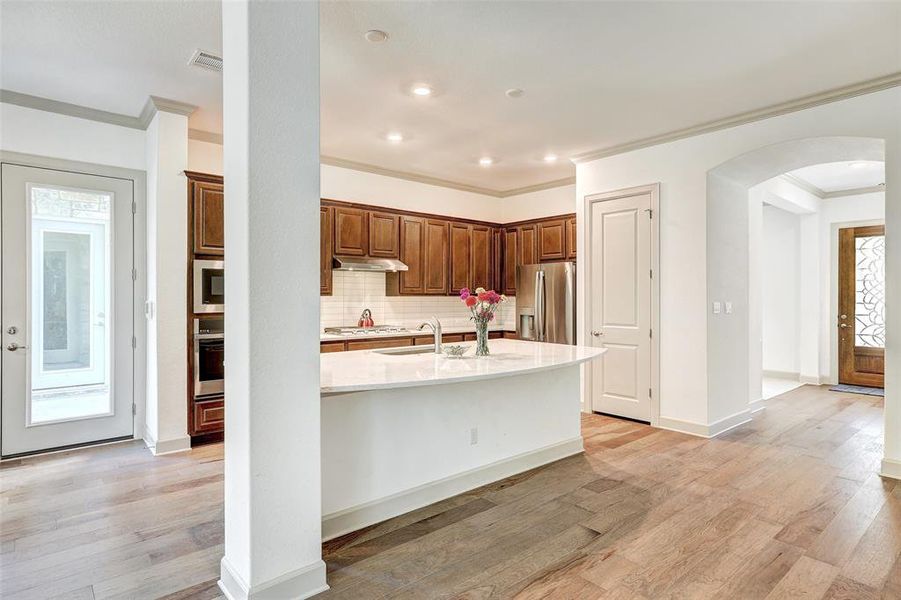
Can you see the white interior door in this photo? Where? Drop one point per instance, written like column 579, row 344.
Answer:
column 620, row 304
column 67, row 306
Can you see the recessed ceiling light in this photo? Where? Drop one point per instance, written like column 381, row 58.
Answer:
column 514, row 93
column 421, row 89
column 486, row 161
column 549, row 158
column 376, row 36
column 395, row 137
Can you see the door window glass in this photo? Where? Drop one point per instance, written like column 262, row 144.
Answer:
column 869, row 297
column 69, row 303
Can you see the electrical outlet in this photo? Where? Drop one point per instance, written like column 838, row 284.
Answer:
column 728, row 308
column 473, row 436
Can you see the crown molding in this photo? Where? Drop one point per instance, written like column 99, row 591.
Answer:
column 538, row 187
column 854, row 192
column 205, row 136
column 153, row 105
column 775, row 110
column 70, row 110
column 804, row 185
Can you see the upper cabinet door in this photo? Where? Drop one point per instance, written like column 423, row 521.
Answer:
column 383, row 235
column 511, row 253
column 528, row 244
column 351, row 231
column 325, row 250
column 552, row 240
column 482, row 256
column 412, row 239
column 460, row 257
column 497, row 259
column 571, row 238
column 209, row 224
column 435, row 252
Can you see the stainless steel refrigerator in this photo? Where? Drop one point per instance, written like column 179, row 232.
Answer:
column 546, row 302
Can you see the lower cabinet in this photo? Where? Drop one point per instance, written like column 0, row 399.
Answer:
column 375, row 344
column 397, row 342
column 209, row 416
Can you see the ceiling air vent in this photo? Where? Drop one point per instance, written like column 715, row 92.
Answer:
column 206, row 60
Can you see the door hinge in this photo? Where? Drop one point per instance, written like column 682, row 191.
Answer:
column 134, row 207
column 134, row 409
column 650, row 212
column 134, row 274
column 651, row 333
column 650, row 393
column 652, row 273
column 134, row 342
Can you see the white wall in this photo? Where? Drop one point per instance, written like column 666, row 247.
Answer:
column 339, row 183
column 59, row 136
column 780, row 290
column 681, row 167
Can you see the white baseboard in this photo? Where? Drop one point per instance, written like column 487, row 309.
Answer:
column 757, row 406
column 705, row 431
column 298, row 584
column 811, row 380
column 890, row 468
column 158, row 448
column 356, row 517
column 794, row 376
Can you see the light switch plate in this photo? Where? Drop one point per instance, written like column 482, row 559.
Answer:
column 728, row 308
column 717, row 308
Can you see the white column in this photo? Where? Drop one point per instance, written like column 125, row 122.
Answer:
column 755, row 297
column 810, row 300
column 271, row 169
column 165, row 419
column 891, row 463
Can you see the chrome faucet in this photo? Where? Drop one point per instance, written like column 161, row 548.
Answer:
column 435, row 325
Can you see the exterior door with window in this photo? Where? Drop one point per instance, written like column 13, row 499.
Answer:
column 67, row 306
column 861, row 318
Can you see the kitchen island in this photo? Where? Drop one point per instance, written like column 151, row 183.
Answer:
column 403, row 428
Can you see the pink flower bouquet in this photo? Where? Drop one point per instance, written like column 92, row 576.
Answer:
column 482, row 304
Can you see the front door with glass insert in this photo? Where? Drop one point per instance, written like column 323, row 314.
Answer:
column 67, row 306
column 861, row 319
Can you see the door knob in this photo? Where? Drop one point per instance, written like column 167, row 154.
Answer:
column 843, row 325
column 12, row 347
column 597, row 333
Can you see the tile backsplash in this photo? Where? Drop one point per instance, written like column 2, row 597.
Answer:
column 354, row 291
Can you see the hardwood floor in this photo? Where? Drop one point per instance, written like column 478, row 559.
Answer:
column 788, row 506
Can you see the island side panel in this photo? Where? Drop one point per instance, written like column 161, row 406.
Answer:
column 386, row 452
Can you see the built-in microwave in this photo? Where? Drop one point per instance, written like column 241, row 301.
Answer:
column 209, row 356
column 209, row 286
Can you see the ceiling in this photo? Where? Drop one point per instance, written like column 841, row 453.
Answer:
column 842, row 176
column 595, row 74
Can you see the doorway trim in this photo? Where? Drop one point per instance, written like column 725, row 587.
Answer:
column 654, row 191
column 139, row 258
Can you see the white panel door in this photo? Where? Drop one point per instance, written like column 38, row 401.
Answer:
column 67, row 306
column 620, row 299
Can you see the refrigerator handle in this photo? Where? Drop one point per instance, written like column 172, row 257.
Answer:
column 570, row 306
column 540, row 333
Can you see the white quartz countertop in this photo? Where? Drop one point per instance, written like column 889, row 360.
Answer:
column 363, row 370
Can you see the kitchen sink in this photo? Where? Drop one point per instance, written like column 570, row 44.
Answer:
column 407, row 350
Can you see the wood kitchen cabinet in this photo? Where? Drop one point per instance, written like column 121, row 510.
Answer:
column 460, row 257
column 412, row 239
column 497, row 259
column 571, row 238
column 207, row 213
column 511, row 252
column 376, row 344
column 351, row 231
column 482, row 257
column 384, row 235
column 552, row 240
column 326, row 216
column 435, row 252
column 527, row 239
column 209, row 417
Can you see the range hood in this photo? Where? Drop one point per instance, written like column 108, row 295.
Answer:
column 364, row 263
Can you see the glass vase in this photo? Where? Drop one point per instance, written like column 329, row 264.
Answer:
column 482, row 338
